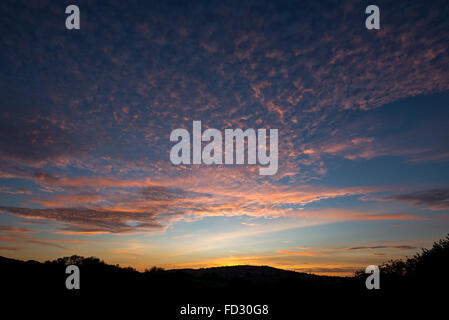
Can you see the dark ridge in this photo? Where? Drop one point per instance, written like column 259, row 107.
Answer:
column 403, row 282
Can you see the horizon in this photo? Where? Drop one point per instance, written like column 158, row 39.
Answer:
column 148, row 267
column 362, row 161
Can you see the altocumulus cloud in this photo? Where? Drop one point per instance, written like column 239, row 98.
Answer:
column 91, row 221
column 436, row 199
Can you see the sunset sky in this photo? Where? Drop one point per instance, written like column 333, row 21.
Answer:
column 86, row 117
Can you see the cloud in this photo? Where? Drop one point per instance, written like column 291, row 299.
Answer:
column 14, row 229
column 45, row 243
column 36, row 141
column 182, row 236
column 10, row 248
column 18, row 191
column 24, row 239
column 248, row 78
column 91, row 142
column 116, row 210
column 300, row 253
column 329, row 270
column 404, row 247
column 325, row 251
column 91, row 221
column 438, row 157
column 435, row 199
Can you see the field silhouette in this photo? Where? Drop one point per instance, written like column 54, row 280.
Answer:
column 403, row 284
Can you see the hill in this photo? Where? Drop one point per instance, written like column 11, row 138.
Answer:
column 418, row 278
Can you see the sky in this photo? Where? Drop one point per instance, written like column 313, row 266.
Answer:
column 86, row 117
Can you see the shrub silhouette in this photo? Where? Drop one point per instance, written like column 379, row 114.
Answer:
column 422, row 275
column 426, row 269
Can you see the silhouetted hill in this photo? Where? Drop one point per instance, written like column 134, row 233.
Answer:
column 109, row 286
column 403, row 282
column 247, row 272
column 98, row 276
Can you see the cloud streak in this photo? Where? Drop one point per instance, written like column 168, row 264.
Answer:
column 435, row 199
column 89, row 220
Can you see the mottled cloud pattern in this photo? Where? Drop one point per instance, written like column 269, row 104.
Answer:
column 86, row 115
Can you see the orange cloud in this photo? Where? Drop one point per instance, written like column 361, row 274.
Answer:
column 300, row 253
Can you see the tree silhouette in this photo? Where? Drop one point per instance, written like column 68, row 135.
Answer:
column 426, row 269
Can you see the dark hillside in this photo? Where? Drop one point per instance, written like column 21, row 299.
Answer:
column 420, row 278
